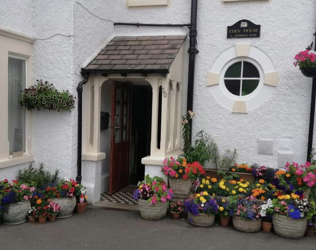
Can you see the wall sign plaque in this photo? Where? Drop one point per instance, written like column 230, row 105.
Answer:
column 243, row 29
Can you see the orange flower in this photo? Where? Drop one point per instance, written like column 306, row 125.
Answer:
column 39, row 201
column 280, row 172
column 233, row 182
column 180, row 171
column 287, row 175
column 233, row 170
column 48, row 199
column 261, row 181
column 208, row 178
column 241, row 180
column 176, row 176
column 214, row 180
column 263, row 198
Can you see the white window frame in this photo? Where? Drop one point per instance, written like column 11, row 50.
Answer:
column 144, row 3
column 15, row 46
column 242, row 52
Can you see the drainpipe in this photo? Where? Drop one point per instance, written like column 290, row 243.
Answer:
column 79, row 149
column 312, row 116
column 192, row 55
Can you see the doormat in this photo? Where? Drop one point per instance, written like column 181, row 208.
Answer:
column 119, row 197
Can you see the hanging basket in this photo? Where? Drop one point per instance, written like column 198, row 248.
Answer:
column 201, row 220
column 288, row 227
column 309, row 72
column 248, row 226
column 180, row 187
column 152, row 212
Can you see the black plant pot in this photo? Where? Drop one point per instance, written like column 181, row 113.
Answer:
column 309, row 72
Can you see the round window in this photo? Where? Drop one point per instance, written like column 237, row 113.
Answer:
column 242, row 78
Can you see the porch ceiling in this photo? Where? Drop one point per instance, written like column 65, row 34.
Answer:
column 137, row 54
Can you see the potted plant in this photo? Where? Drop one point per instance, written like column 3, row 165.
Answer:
column 181, row 174
column 42, row 209
column 261, row 190
column 53, row 210
column 176, row 209
column 226, row 188
column 247, row 215
column 243, row 171
column 153, row 198
column 31, row 215
column 63, row 194
column 16, row 201
column 201, row 209
column 289, row 218
column 225, row 211
column 306, row 62
column 311, row 218
column 266, row 212
column 81, row 199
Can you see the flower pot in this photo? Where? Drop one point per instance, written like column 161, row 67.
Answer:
column 266, row 226
column 52, row 218
column 81, row 207
column 15, row 213
column 248, row 226
column 201, row 220
column 288, row 227
column 309, row 72
column 310, row 232
column 31, row 218
column 152, row 212
column 176, row 215
column 42, row 219
column 225, row 220
column 180, row 187
column 67, row 206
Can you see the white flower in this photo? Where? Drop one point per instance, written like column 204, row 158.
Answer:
column 191, row 114
column 269, row 203
column 185, row 121
column 263, row 213
column 202, row 205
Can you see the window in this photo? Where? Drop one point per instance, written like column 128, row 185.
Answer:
column 242, row 78
column 16, row 115
column 16, row 74
column 137, row 3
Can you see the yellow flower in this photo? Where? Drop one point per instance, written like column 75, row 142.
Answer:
column 201, row 198
column 201, row 186
column 227, row 189
column 258, row 185
column 203, row 181
column 223, row 200
column 221, row 209
column 205, row 193
column 207, row 182
column 209, row 187
column 241, row 190
column 140, row 186
column 294, row 196
column 86, row 197
column 197, row 195
column 287, row 197
column 233, row 192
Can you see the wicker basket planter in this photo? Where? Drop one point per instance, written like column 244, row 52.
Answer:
column 201, row 220
column 67, row 206
column 180, row 187
column 152, row 212
column 288, row 227
column 15, row 213
column 248, row 226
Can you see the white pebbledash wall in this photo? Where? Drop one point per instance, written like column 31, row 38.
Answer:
column 70, row 33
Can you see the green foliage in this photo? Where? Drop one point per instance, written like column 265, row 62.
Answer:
column 37, row 177
column 46, row 96
column 227, row 160
column 186, row 130
column 204, row 149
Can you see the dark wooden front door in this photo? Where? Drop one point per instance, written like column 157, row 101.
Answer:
column 120, row 138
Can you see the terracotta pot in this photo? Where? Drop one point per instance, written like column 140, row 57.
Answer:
column 309, row 232
column 31, row 218
column 81, row 207
column 42, row 219
column 52, row 218
column 176, row 215
column 266, row 226
column 225, row 220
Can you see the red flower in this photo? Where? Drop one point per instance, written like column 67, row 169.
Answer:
column 72, row 190
column 48, row 189
column 15, row 181
column 65, row 186
column 5, row 180
column 53, row 188
column 185, row 177
column 58, row 195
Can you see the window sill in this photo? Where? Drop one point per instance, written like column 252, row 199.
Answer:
column 16, row 161
column 139, row 3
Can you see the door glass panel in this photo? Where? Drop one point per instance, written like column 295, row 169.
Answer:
column 234, row 71
column 118, row 103
column 16, row 115
column 233, row 86
column 248, row 86
column 125, row 118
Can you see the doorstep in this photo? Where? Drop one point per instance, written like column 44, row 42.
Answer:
column 116, row 206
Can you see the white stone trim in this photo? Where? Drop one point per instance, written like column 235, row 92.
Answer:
column 268, row 77
column 271, row 78
column 144, row 3
column 240, row 107
column 93, row 157
column 16, row 161
column 16, row 36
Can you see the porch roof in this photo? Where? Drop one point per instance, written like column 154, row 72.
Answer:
column 137, row 54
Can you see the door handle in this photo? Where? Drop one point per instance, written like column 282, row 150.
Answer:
column 117, row 127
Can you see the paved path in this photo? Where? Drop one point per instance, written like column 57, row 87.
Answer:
column 108, row 229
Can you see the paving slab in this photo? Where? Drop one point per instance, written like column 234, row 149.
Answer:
column 110, row 229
